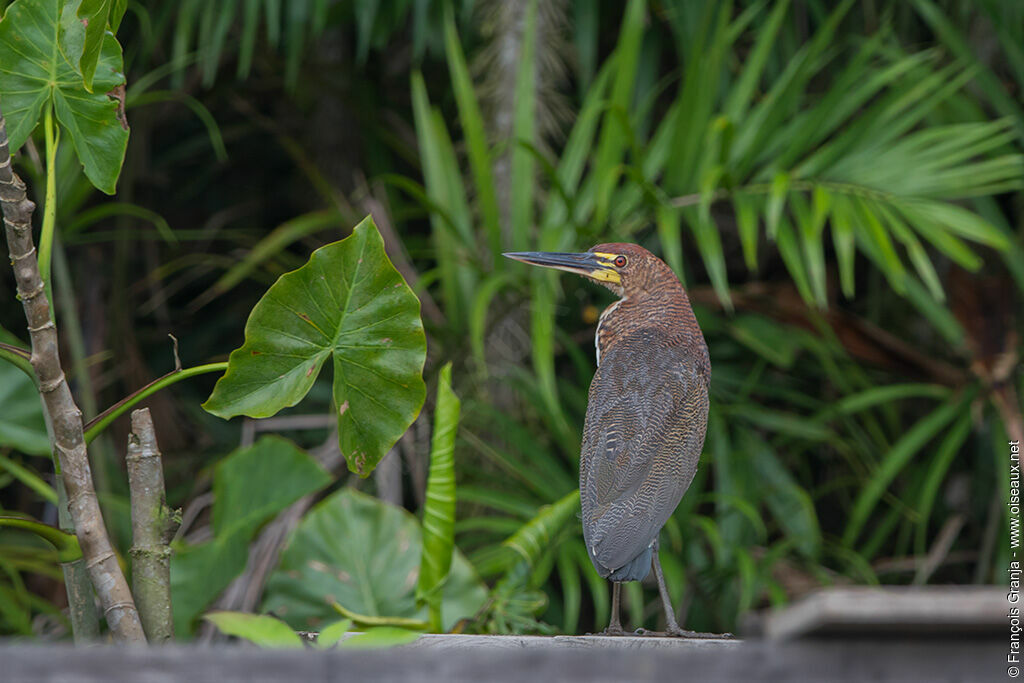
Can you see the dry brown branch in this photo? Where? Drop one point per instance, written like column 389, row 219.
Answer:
column 61, row 409
column 151, row 524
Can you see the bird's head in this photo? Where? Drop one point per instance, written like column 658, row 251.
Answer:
column 626, row 269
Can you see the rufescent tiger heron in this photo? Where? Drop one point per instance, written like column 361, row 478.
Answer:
column 646, row 414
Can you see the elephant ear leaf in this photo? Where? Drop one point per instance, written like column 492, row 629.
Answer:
column 41, row 42
column 348, row 304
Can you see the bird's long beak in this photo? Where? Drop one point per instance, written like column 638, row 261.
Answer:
column 589, row 264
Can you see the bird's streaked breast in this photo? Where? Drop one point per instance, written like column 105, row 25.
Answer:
column 600, row 335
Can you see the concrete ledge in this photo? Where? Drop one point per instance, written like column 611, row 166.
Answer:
column 926, row 611
column 434, row 641
column 515, row 659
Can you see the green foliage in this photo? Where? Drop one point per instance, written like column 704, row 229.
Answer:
column 29, row 478
column 864, row 166
column 515, row 601
column 221, row 30
column 775, row 154
column 535, row 536
column 378, row 638
column 898, row 457
column 39, row 44
column 364, row 554
column 29, row 547
column 22, row 424
column 250, row 487
column 256, row 628
column 796, row 139
column 330, row 635
column 97, row 15
column 474, row 130
column 349, row 304
column 439, row 509
column 269, row 632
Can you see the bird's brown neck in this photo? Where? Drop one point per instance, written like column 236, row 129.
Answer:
column 665, row 308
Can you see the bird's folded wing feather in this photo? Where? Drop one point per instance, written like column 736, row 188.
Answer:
column 643, row 437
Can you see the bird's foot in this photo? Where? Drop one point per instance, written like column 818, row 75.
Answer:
column 683, row 633
column 612, row 631
column 676, row 632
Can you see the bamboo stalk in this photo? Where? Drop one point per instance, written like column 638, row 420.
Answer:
column 151, row 554
column 65, row 416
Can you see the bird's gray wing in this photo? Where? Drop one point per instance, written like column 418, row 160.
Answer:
column 643, row 436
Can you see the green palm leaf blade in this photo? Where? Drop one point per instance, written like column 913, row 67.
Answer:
column 474, row 130
column 524, row 130
column 535, row 536
column 612, row 141
column 901, row 453
column 347, row 303
column 39, row 52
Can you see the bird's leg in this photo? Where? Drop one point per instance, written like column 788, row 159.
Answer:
column 671, row 625
column 614, row 626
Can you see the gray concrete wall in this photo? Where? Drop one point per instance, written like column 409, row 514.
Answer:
column 515, row 659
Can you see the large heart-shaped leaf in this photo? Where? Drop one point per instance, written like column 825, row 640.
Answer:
column 250, row 487
column 348, row 302
column 364, row 554
column 39, row 68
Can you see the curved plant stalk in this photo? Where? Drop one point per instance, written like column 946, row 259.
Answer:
column 52, row 136
column 64, row 415
column 367, row 620
column 19, row 358
column 96, row 426
column 68, row 549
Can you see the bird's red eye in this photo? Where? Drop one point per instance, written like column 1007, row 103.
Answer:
column 620, row 261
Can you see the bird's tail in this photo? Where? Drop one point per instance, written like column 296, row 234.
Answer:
column 636, row 570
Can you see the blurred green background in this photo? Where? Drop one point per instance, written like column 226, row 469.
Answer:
column 839, row 186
